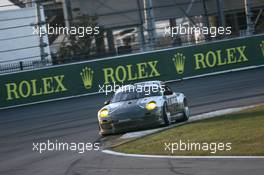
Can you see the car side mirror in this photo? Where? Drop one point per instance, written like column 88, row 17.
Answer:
column 107, row 102
column 168, row 92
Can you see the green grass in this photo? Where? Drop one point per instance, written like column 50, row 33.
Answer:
column 244, row 130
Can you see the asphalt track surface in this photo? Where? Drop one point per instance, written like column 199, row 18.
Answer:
column 74, row 120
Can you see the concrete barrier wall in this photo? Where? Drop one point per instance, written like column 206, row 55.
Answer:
column 170, row 64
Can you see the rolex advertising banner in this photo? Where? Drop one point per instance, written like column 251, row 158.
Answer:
column 91, row 76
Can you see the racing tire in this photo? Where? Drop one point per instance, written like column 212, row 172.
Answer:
column 186, row 112
column 165, row 116
column 102, row 135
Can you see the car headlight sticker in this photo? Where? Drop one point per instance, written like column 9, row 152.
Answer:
column 151, row 105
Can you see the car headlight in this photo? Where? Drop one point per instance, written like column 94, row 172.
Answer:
column 151, row 105
column 103, row 113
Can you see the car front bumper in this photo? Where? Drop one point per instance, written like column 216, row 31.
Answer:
column 138, row 119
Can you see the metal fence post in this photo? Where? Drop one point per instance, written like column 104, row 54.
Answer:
column 21, row 65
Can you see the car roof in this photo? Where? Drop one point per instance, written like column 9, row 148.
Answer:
column 124, row 88
column 149, row 83
column 131, row 86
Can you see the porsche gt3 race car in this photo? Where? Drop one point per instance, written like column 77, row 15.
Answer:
column 141, row 106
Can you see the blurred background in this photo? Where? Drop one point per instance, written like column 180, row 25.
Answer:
column 126, row 27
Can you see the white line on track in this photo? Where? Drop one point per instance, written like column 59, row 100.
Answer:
column 180, row 157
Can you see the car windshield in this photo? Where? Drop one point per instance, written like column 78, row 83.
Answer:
column 123, row 96
column 135, row 93
column 149, row 91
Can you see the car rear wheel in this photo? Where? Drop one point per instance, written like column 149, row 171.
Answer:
column 186, row 112
column 165, row 115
